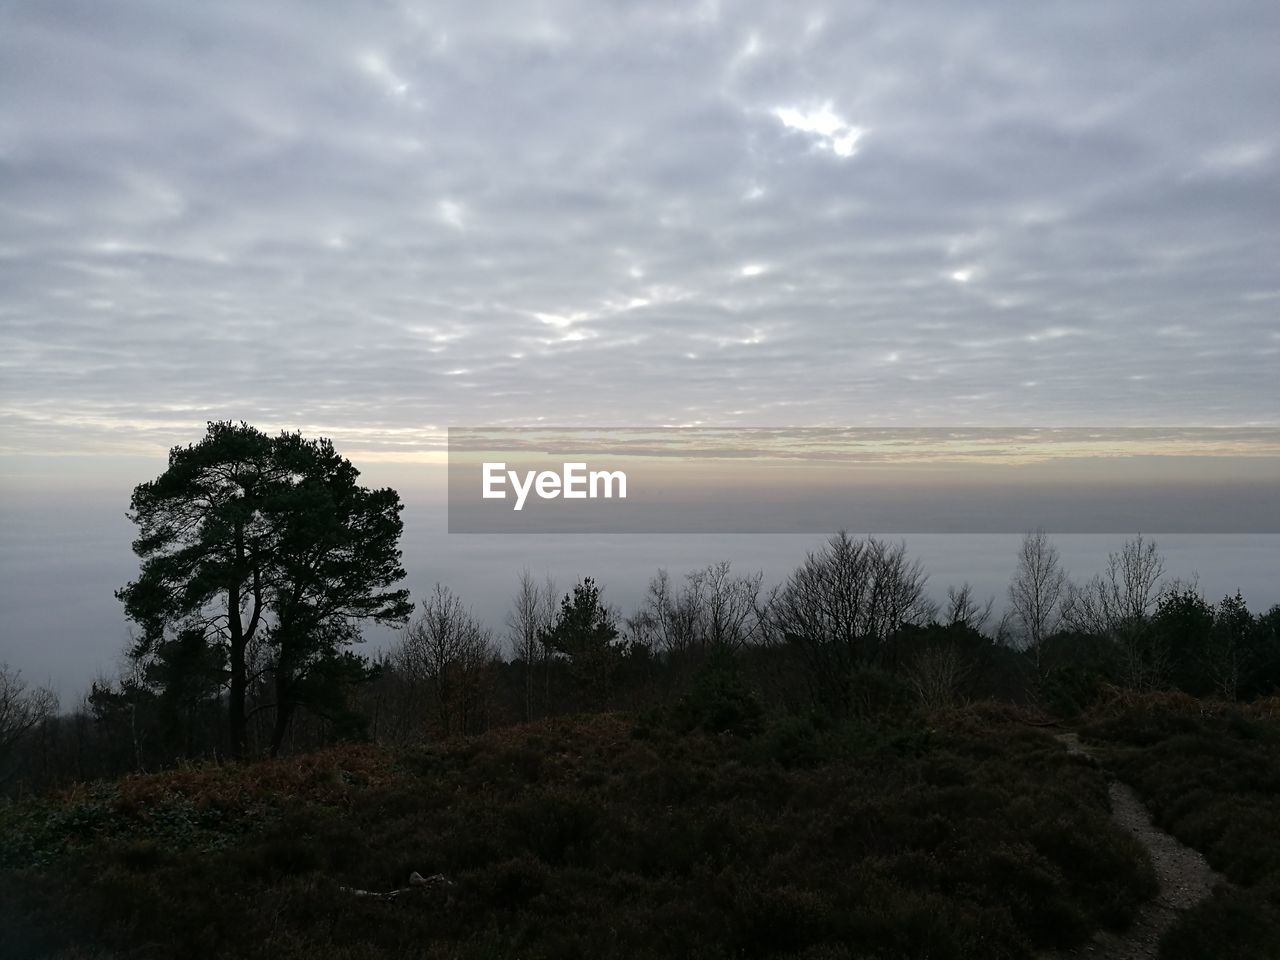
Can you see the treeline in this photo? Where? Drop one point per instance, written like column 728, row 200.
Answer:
column 852, row 632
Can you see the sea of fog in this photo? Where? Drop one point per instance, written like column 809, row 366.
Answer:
column 65, row 548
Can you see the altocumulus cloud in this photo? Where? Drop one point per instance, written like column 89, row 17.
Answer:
column 377, row 219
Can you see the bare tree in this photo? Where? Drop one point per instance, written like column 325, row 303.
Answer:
column 550, row 610
column 448, row 652
column 937, row 673
column 1118, row 605
column 22, row 709
column 841, row 607
column 964, row 610
column 1037, row 593
column 640, row 629
column 527, row 624
column 713, row 611
column 728, row 607
column 673, row 614
column 1127, row 593
column 474, row 690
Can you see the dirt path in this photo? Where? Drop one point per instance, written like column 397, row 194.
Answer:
column 1184, row 877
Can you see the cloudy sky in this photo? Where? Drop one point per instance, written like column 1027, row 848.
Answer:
column 373, row 220
column 377, row 219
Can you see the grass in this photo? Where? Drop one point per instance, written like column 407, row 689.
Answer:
column 975, row 836
column 1210, row 773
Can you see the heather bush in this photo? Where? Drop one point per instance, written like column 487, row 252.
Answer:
column 973, row 837
column 1210, row 773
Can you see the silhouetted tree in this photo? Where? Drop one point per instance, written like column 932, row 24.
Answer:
column 1118, row 605
column 335, row 562
column 714, row 612
column 583, row 635
column 187, row 672
column 1183, row 620
column 528, row 622
column 447, row 655
column 22, row 709
column 1262, row 664
column 841, row 608
column 250, row 539
column 1037, row 594
column 127, row 715
column 1228, row 645
column 669, row 621
column 964, row 610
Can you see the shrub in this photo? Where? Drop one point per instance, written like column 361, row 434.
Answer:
column 720, row 702
column 793, row 742
column 977, row 837
column 1210, row 772
column 876, row 694
column 1231, row 923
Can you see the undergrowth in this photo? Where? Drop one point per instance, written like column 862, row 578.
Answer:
column 1210, row 773
column 971, row 836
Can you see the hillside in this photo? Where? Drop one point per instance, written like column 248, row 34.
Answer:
column 974, row 836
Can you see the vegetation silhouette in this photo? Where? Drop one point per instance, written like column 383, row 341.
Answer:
column 259, row 555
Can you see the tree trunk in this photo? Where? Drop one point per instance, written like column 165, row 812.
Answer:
column 238, row 725
column 284, row 714
column 528, row 683
column 239, row 675
column 285, row 704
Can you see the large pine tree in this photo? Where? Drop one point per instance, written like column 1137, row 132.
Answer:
column 247, row 537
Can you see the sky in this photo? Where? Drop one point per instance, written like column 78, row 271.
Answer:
column 371, row 221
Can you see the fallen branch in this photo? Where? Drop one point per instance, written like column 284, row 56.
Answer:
column 417, row 881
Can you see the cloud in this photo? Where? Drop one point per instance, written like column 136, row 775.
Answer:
column 831, row 131
column 356, row 220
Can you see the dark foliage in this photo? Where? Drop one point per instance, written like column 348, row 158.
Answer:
column 977, row 837
column 1210, row 772
column 249, row 542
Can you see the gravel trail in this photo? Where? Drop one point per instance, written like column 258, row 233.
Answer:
column 1184, row 877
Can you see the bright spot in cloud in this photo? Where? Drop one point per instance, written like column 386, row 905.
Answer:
column 555, row 319
column 1238, row 156
column 1051, row 333
column 376, row 66
column 748, row 51
column 832, row 131
column 451, row 212
column 752, row 270
column 963, row 275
